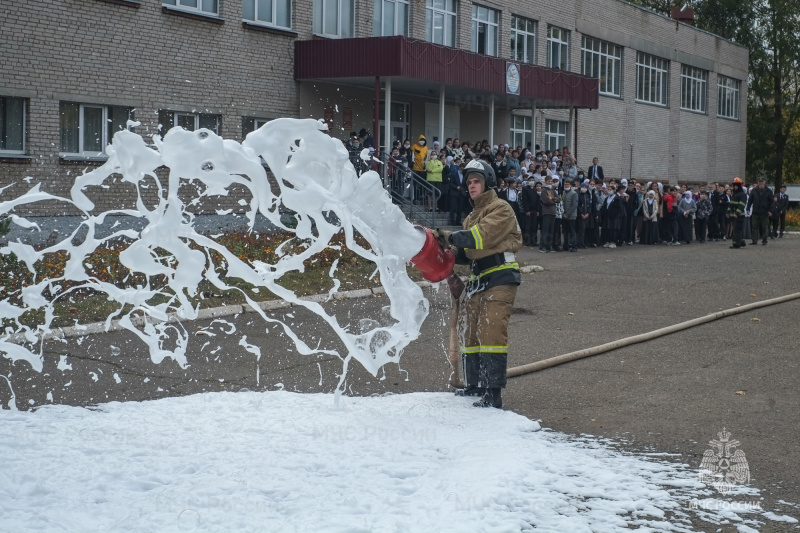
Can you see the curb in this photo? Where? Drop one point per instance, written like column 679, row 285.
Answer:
column 226, row 310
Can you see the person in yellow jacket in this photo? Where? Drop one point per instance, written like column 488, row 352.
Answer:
column 490, row 237
column 419, row 151
column 434, row 169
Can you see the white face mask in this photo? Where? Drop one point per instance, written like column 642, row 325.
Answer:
column 422, row 143
column 407, row 145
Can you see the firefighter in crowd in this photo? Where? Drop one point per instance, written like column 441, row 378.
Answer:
column 736, row 212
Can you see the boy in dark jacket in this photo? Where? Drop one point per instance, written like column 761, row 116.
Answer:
column 704, row 212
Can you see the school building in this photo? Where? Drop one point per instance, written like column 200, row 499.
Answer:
column 650, row 95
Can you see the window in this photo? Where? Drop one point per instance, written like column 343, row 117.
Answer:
column 602, row 60
column 251, row 124
column 268, row 12
column 334, row 18
column 652, row 77
column 557, row 48
column 203, row 7
column 521, row 130
column 555, row 135
column 694, row 87
column 484, row 30
column 523, row 39
column 391, row 18
column 12, row 125
column 440, row 22
column 187, row 121
column 727, row 97
column 86, row 129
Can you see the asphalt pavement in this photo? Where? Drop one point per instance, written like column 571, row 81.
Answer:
column 671, row 395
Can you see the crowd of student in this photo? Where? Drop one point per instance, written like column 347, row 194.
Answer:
column 561, row 207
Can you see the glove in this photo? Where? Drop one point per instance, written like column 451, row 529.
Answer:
column 442, row 236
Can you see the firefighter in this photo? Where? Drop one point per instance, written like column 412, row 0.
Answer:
column 736, row 212
column 490, row 237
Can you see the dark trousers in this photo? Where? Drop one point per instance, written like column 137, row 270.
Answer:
column 557, row 232
column 547, row 232
column 569, row 233
column 713, row 226
column 737, row 234
column 456, row 208
column 531, row 227
column 700, row 227
column 673, row 226
column 580, row 231
column 783, row 222
column 592, row 232
column 628, row 228
column 760, row 226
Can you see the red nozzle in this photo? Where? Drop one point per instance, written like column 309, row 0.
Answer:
column 433, row 261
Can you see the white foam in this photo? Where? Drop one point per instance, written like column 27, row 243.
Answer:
column 317, row 183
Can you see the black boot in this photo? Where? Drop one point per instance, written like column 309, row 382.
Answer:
column 471, row 390
column 470, row 364
column 490, row 399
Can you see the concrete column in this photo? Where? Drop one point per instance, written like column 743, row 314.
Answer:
column 441, row 115
column 571, row 130
column 533, row 127
column 491, row 119
column 387, row 115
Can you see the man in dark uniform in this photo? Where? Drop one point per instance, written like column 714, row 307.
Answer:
column 488, row 241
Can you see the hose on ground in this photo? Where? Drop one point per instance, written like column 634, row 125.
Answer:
column 627, row 341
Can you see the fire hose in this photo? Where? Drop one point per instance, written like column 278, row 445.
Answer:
column 436, row 264
column 627, row 341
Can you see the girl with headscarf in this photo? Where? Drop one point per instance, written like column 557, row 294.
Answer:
column 687, row 208
column 649, row 219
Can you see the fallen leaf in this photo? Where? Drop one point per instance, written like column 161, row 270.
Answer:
column 741, row 392
column 752, row 296
column 738, row 305
column 594, row 420
column 756, row 319
column 570, row 314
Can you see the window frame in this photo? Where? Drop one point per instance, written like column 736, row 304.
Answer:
column 23, row 126
column 275, row 8
column 450, row 20
column 525, row 133
column 319, row 25
column 608, row 55
column 378, row 21
column 517, row 33
column 106, row 133
column 647, row 67
column 728, row 97
column 256, row 121
column 562, row 44
column 561, row 139
column 196, row 118
column 694, row 89
column 177, row 5
column 481, row 19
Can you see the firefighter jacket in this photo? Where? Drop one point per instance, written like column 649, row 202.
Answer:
column 737, row 204
column 490, row 237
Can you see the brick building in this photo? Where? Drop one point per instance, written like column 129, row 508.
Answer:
column 671, row 102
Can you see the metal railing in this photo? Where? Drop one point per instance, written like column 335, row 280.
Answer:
column 410, row 191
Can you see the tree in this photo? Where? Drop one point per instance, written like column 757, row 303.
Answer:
column 774, row 89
